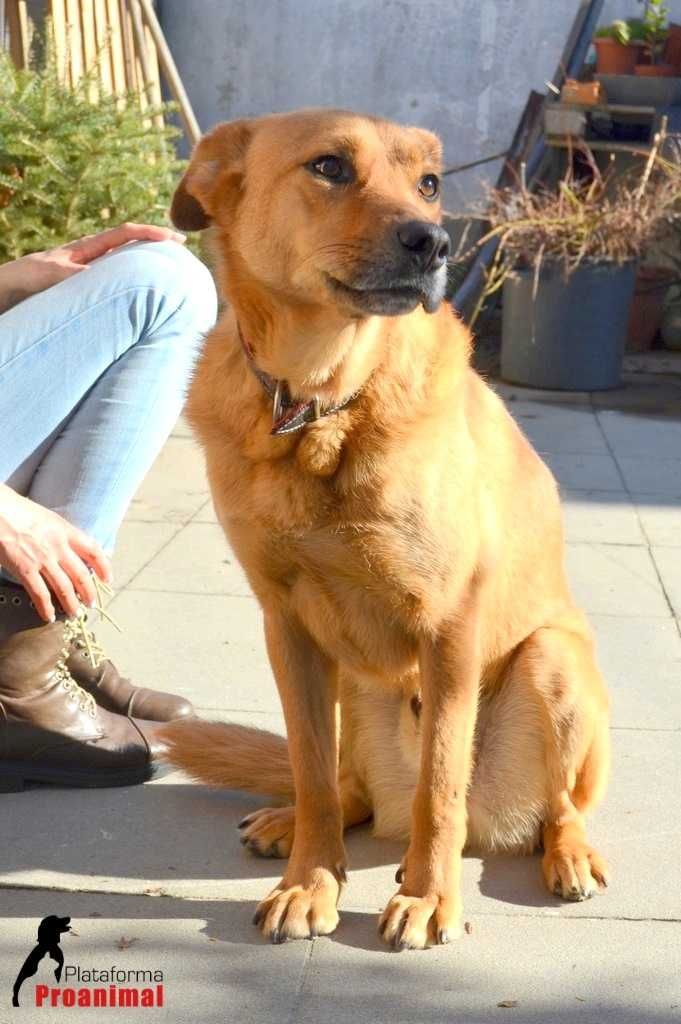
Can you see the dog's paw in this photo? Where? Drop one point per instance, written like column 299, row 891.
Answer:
column 416, row 922
column 574, row 872
column 269, row 832
column 301, row 911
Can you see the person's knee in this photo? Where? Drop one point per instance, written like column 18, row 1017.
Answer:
column 179, row 282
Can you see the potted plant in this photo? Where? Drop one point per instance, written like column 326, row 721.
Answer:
column 617, row 53
column 566, row 261
column 655, row 34
column 672, row 50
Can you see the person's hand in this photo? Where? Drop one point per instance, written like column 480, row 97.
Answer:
column 40, row 270
column 48, row 556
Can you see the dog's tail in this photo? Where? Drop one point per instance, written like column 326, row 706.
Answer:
column 229, row 755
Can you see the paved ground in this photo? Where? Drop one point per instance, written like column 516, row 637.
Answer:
column 108, row 859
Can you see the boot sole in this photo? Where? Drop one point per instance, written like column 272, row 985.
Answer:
column 16, row 775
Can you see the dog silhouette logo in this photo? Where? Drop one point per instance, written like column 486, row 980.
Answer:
column 50, row 931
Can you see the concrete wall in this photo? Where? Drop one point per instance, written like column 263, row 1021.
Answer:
column 461, row 67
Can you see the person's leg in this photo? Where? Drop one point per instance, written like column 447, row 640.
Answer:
column 93, row 374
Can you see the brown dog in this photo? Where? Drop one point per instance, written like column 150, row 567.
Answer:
column 405, row 543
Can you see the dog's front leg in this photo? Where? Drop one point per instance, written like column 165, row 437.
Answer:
column 305, row 901
column 427, row 907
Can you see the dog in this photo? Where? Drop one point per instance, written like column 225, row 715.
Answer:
column 402, row 537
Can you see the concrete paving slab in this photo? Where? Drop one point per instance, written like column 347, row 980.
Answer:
column 206, row 513
column 669, row 566
column 196, row 561
column 641, row 663
column 643, row 393
column 660, row 518
column 515, row 393
column 584, row 472
column 559, row 428
column 640, row 435
column 521, row 970
column 215, row 968
column 108, row 841
column 182, row 428
column 136, row 545
column 651, row 475
column 615, row 579
column 209, row 648
column 606, row 517
column 175, row 487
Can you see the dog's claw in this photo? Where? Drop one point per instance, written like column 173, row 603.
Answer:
column 257, row 917
column 442, row 936
column 399, row 875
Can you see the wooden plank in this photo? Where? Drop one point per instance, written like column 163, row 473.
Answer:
column 103, row 46
column 128, row 46
column 148, row 61
column 598, row 145
column 17, row 25
column 169, row 68
column 58, row 12
column 74, row 40
column 117, row 61
column 89, row 35
column 154, row 70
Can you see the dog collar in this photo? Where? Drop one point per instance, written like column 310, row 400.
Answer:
column 288, row 414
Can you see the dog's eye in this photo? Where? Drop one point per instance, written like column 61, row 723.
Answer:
column 330, row 167
column 429, row 186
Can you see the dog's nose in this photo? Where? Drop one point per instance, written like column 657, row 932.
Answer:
column 428, row 243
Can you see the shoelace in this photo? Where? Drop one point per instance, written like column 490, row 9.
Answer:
column 76, row 633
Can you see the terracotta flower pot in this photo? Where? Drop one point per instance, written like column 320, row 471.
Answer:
column 672, row 50
column 656, row 70
column 613, row 58
column 647, row 307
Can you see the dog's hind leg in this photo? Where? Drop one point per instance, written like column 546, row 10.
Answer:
column 269, row 831
column 559, row 662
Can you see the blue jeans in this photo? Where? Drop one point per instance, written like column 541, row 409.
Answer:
column 93, row 375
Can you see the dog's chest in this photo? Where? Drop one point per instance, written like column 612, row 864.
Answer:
column 363, row 577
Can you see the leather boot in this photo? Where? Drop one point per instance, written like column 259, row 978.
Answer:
column 91, row 669
column 51, row 729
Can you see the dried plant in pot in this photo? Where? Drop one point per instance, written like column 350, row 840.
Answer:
column 566, row 261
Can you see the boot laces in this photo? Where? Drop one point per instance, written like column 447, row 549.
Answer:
column 83, row 637
column 76, row 633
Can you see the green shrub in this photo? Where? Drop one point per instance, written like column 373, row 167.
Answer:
column 70, row 167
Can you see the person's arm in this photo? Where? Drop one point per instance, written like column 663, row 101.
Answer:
column 40, row 270
column 49, row 557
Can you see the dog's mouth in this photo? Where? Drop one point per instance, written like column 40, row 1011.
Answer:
column 391, row 298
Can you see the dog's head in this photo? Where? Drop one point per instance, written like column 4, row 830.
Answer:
column 51, row 928
column 326, row 206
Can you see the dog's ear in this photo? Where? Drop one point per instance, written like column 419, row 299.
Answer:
column 213, row 174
